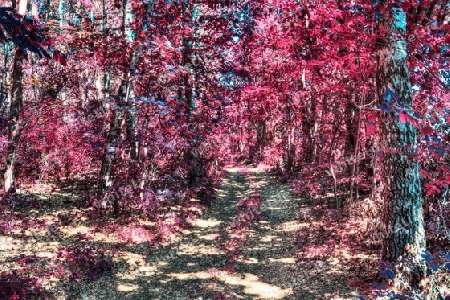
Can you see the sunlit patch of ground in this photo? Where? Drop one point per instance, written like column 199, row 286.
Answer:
column 206, row 223
column 255, row 287
column 285, row 255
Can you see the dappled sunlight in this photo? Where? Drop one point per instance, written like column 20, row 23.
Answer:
column 288, row 226
column 129, row 276
column 208, row 237
column 249, row 260
column 298, row 149
column 206, row 223
column 131, row 258
column 15, row 247
column 258, row 184
column 122, row 287
column 251, row 283
column 254, row 286
column 233, row 249
column 268, row 238
column 196, row 275
column 198, row 250
column 283, row 260
column 148, row 270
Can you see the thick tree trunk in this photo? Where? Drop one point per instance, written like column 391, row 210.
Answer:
column 401, row 190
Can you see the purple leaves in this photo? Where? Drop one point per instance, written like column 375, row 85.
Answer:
column 85, row 262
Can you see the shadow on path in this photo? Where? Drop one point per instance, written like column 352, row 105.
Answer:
column 196, row 266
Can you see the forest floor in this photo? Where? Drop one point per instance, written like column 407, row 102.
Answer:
column 256, row 241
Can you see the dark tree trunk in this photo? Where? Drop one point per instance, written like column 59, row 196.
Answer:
column 288, row 133
column 14, row 126
column 310, row 127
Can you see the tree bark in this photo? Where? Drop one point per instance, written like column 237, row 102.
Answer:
column 401, row 189
column 14, row 126
column 15, row 106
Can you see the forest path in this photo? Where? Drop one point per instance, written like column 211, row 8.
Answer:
column 218, row 259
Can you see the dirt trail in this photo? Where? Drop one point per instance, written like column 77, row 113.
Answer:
column 198, row 267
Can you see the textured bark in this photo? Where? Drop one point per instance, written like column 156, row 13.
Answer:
column 14, row 126
column 401, row 190
column 6, row 53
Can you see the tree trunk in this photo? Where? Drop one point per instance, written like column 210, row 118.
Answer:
column 112, row 127
column 14, row 126
column 131, row 128
column 289, row 155
column 119, row 118
column 310, row 127
column 15, row 105
column 188, row 92
column 112, row 142
column 401, row 189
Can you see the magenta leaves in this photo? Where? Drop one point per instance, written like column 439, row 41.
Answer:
column 16, row 285
column 86, row 262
